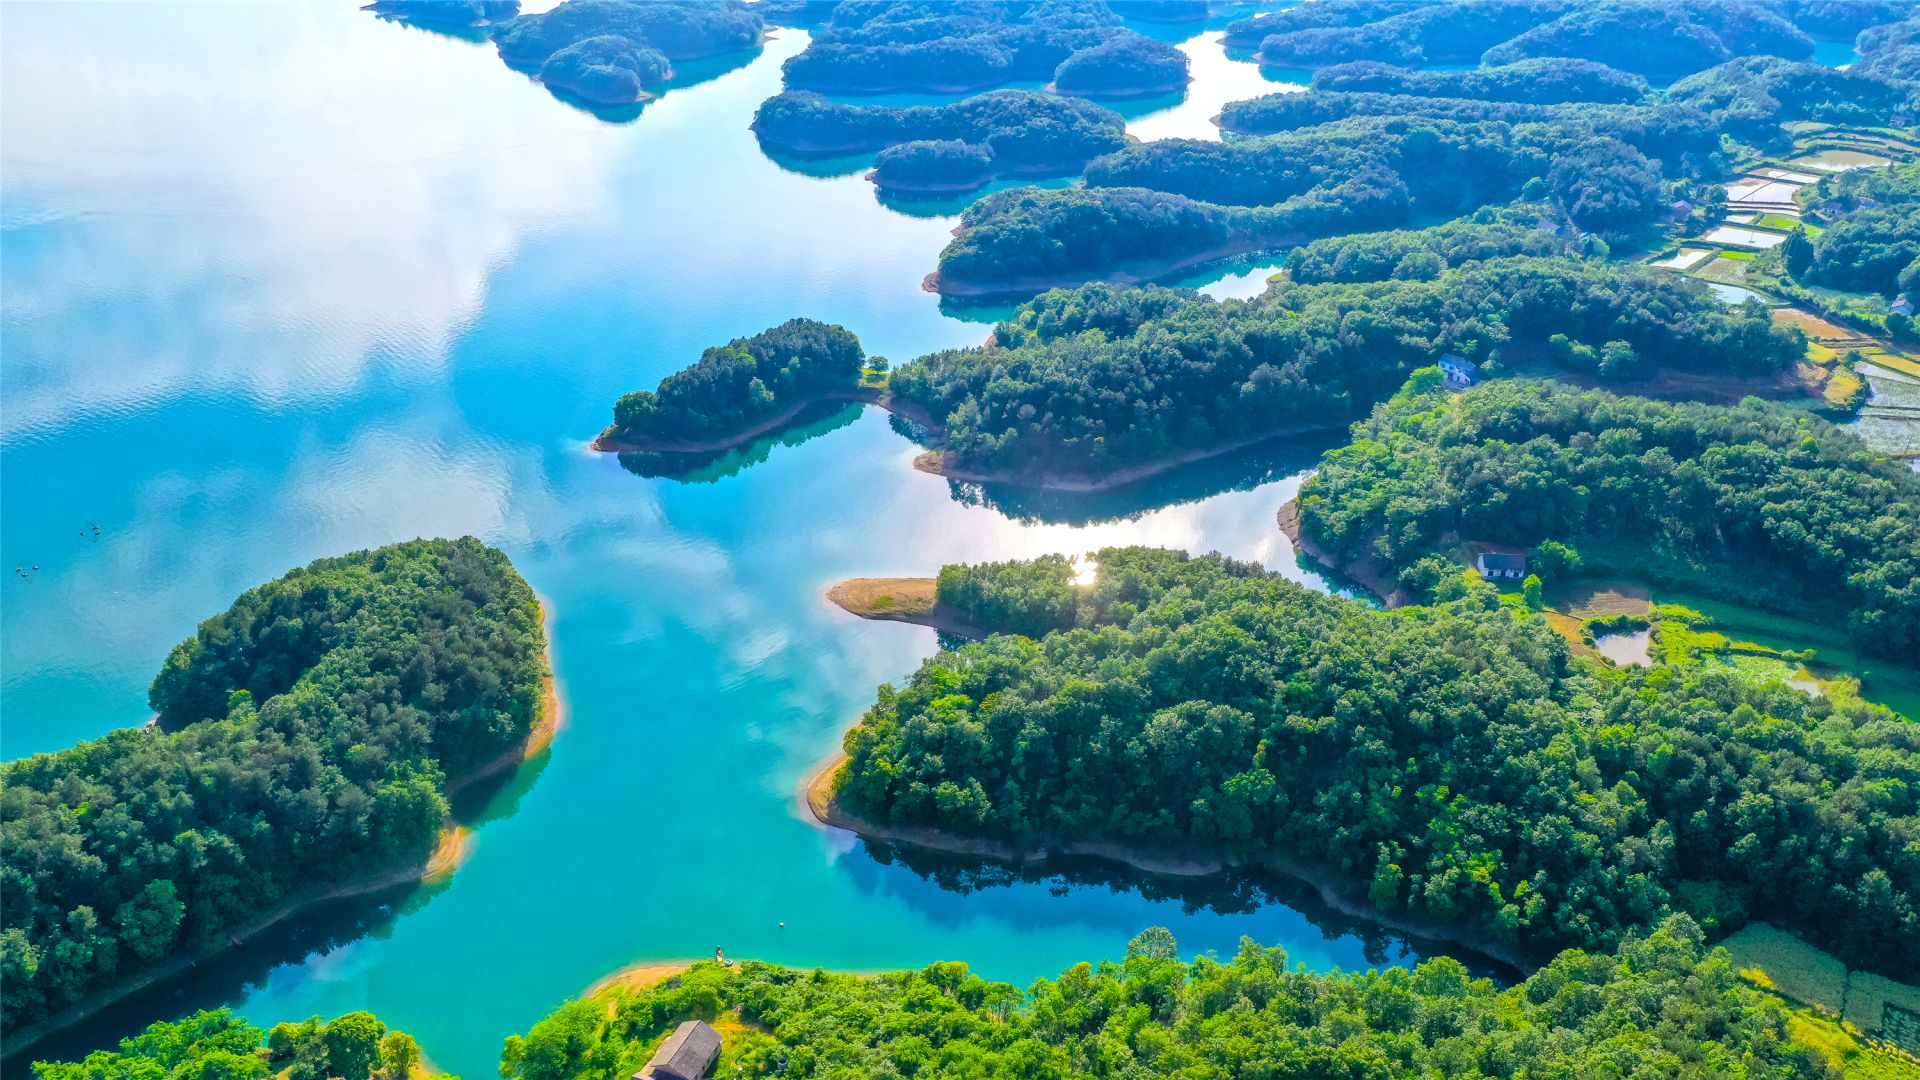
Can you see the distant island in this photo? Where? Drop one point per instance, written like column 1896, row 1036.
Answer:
column 447, row 14
column 1081, row 47
column 305, row 745
column 1377, row 146
column 612, row 52
column 957, row 147
column 742, row 389
column 1660, row 39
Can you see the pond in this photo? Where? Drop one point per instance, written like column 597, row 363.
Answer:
column 1626, row 649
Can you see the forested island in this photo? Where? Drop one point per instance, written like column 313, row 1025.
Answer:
column 1078, row 45
column 1002, row 133
column 217, row 1045
column 1109, row 382
column 1451, row 764
column 741, row 389
column 304, row 746
column 1757, row 502
column 611, row 52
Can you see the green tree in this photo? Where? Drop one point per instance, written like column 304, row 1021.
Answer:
column 1531, row 593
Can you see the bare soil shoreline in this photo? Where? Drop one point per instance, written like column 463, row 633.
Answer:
column 454, row 844
column 1360, row 570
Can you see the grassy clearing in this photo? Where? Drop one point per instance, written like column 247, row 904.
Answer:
column 1842, row 1047
column 1880, row 680
column 1839, row 1008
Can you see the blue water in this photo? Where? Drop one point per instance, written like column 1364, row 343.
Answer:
column 286, row 281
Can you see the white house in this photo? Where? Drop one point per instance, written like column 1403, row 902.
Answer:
column 1494, row 565
column 1459, row 371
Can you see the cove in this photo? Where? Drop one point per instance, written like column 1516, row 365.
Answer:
column 292, row 284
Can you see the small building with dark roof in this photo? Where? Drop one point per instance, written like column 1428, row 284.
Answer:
column 687, row 1054
column 1497, row 564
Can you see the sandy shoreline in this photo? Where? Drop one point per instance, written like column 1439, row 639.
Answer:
column 816, row 794
column 449, row 851
column 905, row 599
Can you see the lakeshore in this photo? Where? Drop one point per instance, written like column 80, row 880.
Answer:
column 608, row 442
column 450, row 850
column 1143, row 273
column 908, row 600
column 1361, row 571
column 817, row 796
column 935, row 462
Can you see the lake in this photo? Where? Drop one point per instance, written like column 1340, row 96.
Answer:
column 287, row 281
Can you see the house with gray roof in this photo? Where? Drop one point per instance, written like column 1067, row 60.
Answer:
column 1494, row 565
column 687, row 1054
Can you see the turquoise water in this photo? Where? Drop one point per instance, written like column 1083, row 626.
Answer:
column 289, row 284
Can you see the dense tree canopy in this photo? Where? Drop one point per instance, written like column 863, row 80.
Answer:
column 1662, row 1006
column 306, row 737
column 1453, row 762
column 1661, row 39
column 1751, row 97
column 611, row 51
column 1546, row 81
column 869, row 46
column 1424, row 253
column 1773, row 501
column 1020, row 132
column 1891, row 51
column 734, row 386
column 1101, row 378
column 1125, row 64
column 217, row 1045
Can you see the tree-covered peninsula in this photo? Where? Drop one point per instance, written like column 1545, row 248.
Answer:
column 1452, row 765
column 1001, row 133
column 1759, row 501
column 304, row 744
column 1661, row 1005
column 1101, row 380
column 217, row 1045
column 931, row 45
column 611, row 52
column 740, row 389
